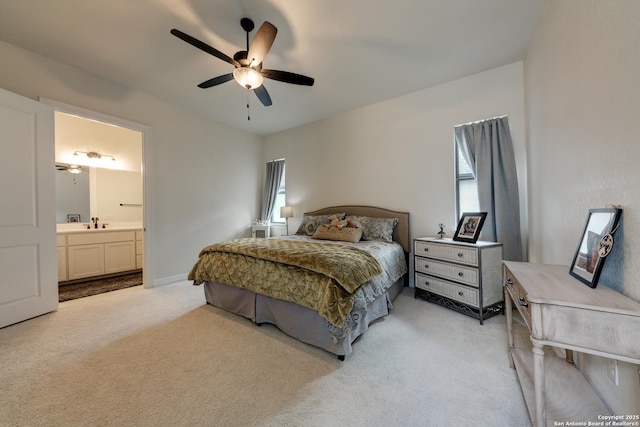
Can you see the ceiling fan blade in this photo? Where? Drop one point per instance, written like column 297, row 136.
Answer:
column 263, row 95
column 204, row 47
column 261, row 43
column 287, row 77
column 216, row 81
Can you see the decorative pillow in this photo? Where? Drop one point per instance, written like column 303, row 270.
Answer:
column 375, row 228
column 344, row 234
column 337, row 222
column 311, row 222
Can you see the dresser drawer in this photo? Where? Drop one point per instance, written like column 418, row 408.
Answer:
column 452, row 253
column 518, row 295
column 458, row 273
column 447, row 289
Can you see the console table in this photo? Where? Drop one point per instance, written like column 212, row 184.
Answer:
column 559, row 311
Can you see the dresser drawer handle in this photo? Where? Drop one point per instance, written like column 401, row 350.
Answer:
column 460, row 254
column 522, row 302
column 460, row 274
column 426, row 249
column 509, row 282
column 426, row 266
column 461, row 293
column 426, row 283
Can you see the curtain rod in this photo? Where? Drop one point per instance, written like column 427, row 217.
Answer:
column 480, row 121
column 275, row 160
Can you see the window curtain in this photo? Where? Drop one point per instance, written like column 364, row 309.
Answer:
column 275, row 168
column 486, row 146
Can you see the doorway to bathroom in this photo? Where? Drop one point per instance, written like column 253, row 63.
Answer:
column 101, row 197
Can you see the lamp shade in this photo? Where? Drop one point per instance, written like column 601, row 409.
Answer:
column 286, row 212
column 248, row 77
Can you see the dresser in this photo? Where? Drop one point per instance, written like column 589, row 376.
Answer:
column 559, row 311
column 465, row 277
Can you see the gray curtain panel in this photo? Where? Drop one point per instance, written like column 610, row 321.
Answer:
column 487, row 147
column 275, row 169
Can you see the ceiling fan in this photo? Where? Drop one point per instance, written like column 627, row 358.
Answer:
column 70, row 168
column 248, row 63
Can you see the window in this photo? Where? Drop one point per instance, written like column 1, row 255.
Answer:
column 280, row 201
column 466, row 186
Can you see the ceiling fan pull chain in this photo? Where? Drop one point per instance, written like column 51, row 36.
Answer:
column 248, row 111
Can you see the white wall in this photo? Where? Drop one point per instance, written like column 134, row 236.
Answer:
column 582, row 89
column 398, row 154
column 205, row 175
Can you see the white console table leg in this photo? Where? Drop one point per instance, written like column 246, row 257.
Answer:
column 508, row 307
column 539, row 386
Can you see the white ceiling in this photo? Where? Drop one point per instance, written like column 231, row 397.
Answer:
column 359, row 51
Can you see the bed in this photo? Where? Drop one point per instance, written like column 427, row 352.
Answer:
column 327, row 308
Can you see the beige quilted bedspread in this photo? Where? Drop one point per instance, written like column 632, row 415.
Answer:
column 315, row 275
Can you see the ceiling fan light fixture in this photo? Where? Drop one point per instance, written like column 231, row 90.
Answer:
column 248, row 77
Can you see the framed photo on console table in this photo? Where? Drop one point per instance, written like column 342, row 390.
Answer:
column 594, row 246
column 469, row 227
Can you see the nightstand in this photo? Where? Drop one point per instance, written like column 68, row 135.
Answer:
column 262, row 231
column 465, row 277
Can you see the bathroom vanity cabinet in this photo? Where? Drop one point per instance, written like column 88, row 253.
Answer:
column 95, row 253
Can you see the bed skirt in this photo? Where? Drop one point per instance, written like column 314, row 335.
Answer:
column 299, row 322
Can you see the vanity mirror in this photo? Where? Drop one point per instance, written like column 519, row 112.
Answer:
column 72, row 194
column 112, row 195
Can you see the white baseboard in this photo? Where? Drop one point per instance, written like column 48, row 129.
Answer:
column 169, row 280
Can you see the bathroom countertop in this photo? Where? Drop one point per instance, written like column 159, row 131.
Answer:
column 97, row 230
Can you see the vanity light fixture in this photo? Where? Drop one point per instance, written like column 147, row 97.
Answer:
column 93, row 155
column 75, row 169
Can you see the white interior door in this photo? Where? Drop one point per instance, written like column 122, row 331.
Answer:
column 28, row 263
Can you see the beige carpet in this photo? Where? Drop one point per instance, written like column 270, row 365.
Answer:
column 161, row 357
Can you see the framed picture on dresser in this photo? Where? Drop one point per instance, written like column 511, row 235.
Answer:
column 595, row 244
column 73, row 217
column 469, row 227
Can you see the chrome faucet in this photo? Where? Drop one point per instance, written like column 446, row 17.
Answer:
column 95, row 222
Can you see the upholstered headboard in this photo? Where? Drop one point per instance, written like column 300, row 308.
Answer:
column 400, row 233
